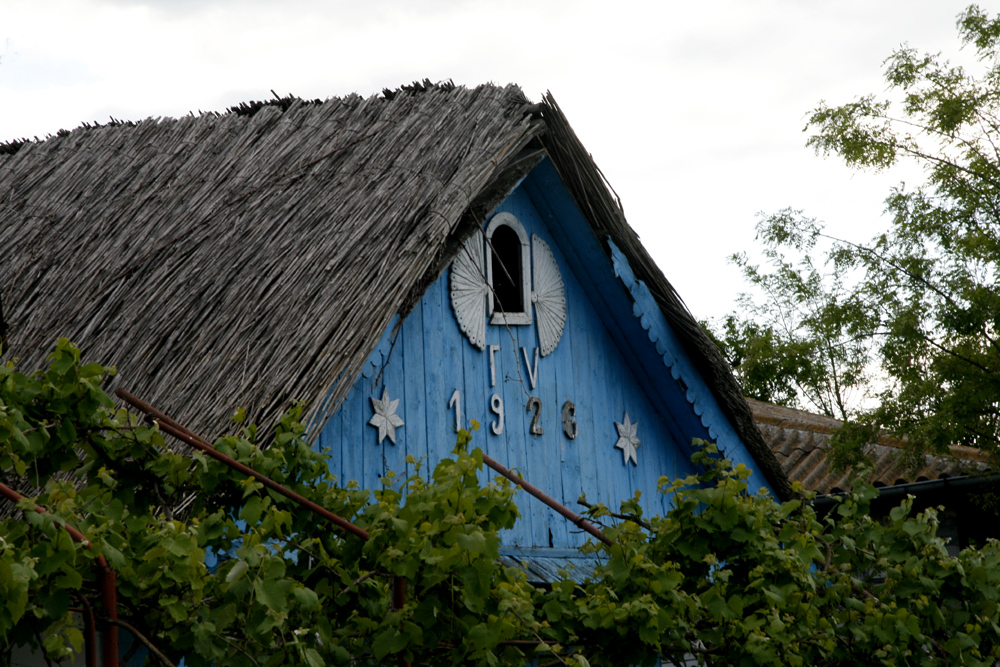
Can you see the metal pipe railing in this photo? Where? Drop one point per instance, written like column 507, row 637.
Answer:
column 90, row 633
column 185, row 435
column 566, row 512
column 109, row 591
column 189, row 438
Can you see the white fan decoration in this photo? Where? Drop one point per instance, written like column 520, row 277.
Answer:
column 549, row 295
column 469, row 293
column 468, row 290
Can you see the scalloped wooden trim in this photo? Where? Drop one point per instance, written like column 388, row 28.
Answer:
column 549, row 296
column 469, row 290
column 657, row 329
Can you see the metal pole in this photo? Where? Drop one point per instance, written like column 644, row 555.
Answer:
column 109, row 599
column 573, row 517
column 398, row 600
column 90, row 633
column 170, row 426
column 109, row 593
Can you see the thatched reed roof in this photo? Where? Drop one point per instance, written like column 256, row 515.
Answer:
column 256, row 256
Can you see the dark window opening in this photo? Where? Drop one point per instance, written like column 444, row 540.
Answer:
column 505, row 254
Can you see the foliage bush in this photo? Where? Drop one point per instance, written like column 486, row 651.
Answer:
column 728, row 577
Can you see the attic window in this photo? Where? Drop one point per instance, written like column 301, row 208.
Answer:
column 509, row 291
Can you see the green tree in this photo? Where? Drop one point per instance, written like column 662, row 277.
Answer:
column 911, row 318
column 728, row 577
column 799, row 347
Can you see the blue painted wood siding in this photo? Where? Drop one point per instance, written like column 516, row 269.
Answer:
column 606, row 363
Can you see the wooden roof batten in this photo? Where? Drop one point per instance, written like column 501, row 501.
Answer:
column 255, row 257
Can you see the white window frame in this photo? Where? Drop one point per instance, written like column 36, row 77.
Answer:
column 522, row 317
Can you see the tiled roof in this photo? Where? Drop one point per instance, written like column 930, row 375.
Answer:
column 801, row 442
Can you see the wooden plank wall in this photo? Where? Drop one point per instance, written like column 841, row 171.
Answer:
column 594, row 365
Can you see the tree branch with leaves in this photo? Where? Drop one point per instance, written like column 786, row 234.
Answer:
column 909, row 320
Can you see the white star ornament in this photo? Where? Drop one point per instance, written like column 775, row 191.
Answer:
column 628, row 441
column 385, row 418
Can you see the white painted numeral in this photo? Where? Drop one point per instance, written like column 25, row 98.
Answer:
column 569, row 419
column 535, row 405
column 496, row 407
column 493, row 368
column 456, row 402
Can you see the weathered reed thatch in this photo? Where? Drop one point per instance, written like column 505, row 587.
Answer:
column 255, row 257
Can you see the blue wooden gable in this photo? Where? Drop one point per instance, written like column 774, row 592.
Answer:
column 617, row 362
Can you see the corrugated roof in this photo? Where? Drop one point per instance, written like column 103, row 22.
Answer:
column 801, row 442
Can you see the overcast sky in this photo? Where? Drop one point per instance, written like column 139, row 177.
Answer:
column 693, row 111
